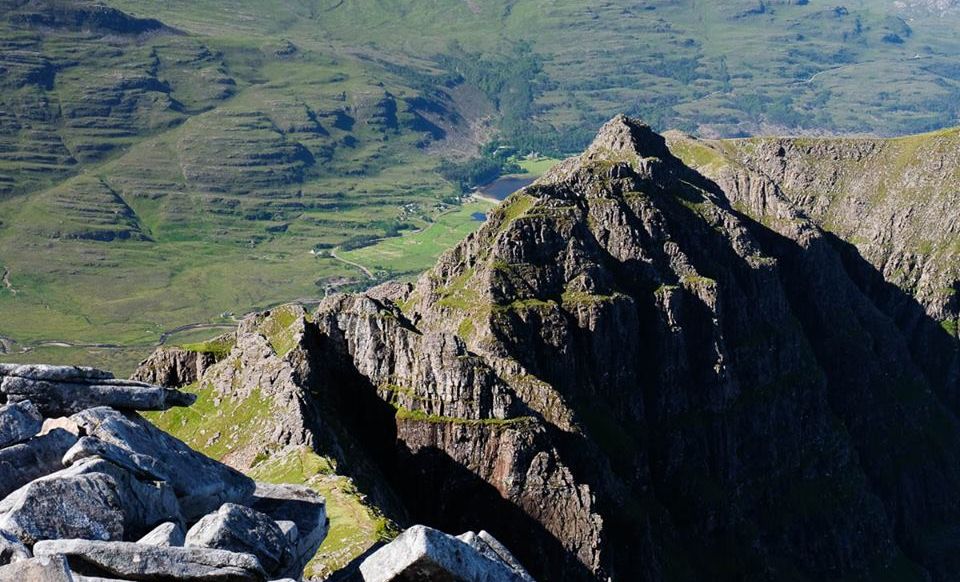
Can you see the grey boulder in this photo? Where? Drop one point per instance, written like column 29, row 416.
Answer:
column 39, row 456
column 81, row 506
column 144, row 504
column 40, row 569
column 54, row 373
column 12, row 549
column 425, row 554
column 19, row 422
column 143, row 466
column 131, row 561
column 201, row 484
column 165, row 534
column 302, row 506
column 240, row 529
column 62, row 398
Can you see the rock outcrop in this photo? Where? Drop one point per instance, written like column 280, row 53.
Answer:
column 105, row 495
column 18, row 422
column 174, row 367
column 62, row 391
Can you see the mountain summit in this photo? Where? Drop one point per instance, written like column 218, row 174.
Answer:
column 624, row 375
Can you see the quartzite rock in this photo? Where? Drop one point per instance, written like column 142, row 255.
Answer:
column 143, row 466
column 201, row 484
column 144, row 504
column 63, row 398
column 490, row 547
column 19, row 422
column 39, row 569
column 133, row 561
column 82, row 506
column 35, row 458
column 165, row 534
column 425, row 554
column 240, row 529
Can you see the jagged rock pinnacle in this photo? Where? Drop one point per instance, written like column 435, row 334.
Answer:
column 624, row 135
column 623, row 146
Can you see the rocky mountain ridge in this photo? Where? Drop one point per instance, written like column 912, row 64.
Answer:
column 635, row 371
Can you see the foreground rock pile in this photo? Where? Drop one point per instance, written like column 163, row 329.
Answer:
column 92, row 491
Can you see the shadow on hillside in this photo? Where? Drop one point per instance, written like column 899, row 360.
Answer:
column 877, row 355
column 892, row 379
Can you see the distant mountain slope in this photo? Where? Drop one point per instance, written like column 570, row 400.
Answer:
column 720, row 68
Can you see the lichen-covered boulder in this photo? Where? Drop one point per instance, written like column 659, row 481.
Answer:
column 144, row 503
column 81, row 506
column 133, row 561
column 202, row 484
column 240, row 529
column 40, row 569
column 18, row 422
column 39, row 456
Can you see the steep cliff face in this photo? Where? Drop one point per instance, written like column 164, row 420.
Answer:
column 633, row 371
column 896, row 203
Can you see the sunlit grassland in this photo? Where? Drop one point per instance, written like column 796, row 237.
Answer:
column 413, row 252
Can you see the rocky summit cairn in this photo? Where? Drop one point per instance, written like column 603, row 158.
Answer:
column 89, row 490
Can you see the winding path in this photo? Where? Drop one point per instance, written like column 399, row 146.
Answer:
column 366, row 271
column 6, row 281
